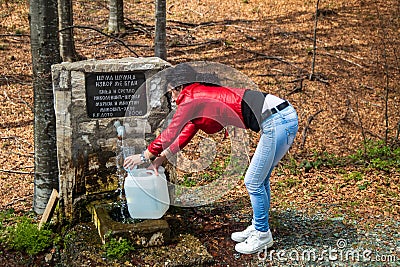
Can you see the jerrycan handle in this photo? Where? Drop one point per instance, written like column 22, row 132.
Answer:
column 137, row 171
column 160, row 170
column 151, row 171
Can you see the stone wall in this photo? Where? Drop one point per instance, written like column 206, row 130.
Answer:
column 86, row 143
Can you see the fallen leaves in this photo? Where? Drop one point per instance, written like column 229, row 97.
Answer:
column 352, row 102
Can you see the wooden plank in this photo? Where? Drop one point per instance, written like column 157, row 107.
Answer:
column 51, row 205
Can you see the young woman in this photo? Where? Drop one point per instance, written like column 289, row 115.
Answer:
column 210, row 108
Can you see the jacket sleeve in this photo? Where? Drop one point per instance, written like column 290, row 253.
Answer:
column 187, row 133
column 178, row 133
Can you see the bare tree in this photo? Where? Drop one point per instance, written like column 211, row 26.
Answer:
column 160, row 46
column 67, row 43
column 116, row 16
column 314, row 42
column 45, row 52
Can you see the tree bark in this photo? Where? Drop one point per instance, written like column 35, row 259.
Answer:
column 116, row 16
column 160, row 40
column 45, row 52
column 67, row 42
column 314, row 43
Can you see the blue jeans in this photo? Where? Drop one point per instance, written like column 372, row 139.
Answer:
column 277, row 134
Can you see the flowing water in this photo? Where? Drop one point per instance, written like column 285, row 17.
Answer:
column 119, row 210
column 121, row 174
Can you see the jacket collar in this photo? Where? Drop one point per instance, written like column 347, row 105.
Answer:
column 185, row 92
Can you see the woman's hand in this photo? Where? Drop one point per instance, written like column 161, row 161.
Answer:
column 132, row 161
column 156, row 163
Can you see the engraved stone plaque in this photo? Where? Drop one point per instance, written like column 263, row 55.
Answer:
column 115, row 94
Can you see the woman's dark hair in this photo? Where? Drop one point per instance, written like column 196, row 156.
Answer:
column 184, row 74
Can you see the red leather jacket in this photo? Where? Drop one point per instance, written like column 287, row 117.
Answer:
column 209, row 108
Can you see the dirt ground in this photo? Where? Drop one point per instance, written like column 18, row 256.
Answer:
column 355, row 93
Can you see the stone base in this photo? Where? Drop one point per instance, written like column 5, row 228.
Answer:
column 83, row 248
column 142, row 234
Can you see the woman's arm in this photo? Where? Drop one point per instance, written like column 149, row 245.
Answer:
column 181, row 130
column 177, row 135
column 183, row 139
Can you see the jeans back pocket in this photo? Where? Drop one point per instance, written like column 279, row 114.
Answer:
column 291, row 131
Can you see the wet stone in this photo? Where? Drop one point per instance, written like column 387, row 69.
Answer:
column 142, row 234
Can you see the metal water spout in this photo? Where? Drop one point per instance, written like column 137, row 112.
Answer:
column 120, row 129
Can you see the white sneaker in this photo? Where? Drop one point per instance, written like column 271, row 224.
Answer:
column 243, row 235
column 255, row 242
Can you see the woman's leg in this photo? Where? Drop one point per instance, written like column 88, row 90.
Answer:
column 257, row 176
column 276, row 138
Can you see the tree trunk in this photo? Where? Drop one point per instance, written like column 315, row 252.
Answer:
column 67, row 43
column 160, row 41
column 314, row 43
column 45, row 52
column 116, row 18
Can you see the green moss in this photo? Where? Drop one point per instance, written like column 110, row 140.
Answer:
column 117, row 248
column 25, row 236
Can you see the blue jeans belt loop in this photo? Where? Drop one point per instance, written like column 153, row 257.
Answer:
column 274, row 110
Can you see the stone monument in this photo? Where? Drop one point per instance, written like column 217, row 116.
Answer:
column 90, row 97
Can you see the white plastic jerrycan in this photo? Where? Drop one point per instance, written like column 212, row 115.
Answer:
column 146, row 193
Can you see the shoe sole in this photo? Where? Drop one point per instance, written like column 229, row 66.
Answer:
column 259, row 248
column 239, row 240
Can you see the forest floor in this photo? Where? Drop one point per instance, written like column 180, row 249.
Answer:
column 318, row 201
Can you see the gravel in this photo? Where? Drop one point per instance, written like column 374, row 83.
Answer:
column 318, row 240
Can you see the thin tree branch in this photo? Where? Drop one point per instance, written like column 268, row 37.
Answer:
column 298, row 88
column 281, row 73
column 242, row 28
column 305, row 130
column 361, row 125
column 314, row 42
column 16, row 200
column 21, row 155
column 386, row 73
column 14, row 35
column 8, row 137
column 346, row 60
column 264, row 56
column 210, row 23
column 19, row 96
column 17, row 172
column 105, row 34
column 18, row 139
column 211, row 41
column 313, row 76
